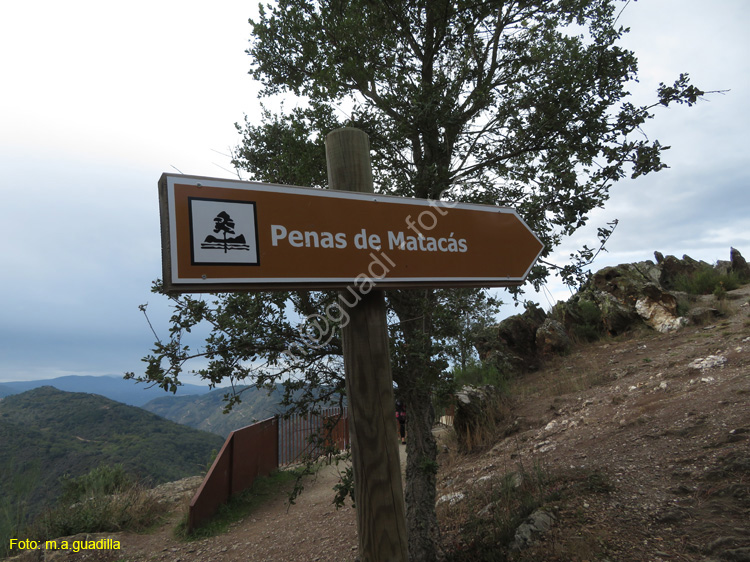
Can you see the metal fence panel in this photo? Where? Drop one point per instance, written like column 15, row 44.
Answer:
column 247, row 453
column 257, row 450
column 254, row 453
column 214, row 490
column 296, row 430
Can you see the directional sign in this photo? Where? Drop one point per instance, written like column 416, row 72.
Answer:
column 224, row 235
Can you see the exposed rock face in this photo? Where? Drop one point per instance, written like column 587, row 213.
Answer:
column 613, row 301
column 478, row 411
column 738, row 264
column 551, row 338
column 617, row 290
column 535, row 526
column 518, row 332
column 673, row 268
column 659, row 309
column 723, row 267
column 511, row 346
column 625, row 282
column 617, row 316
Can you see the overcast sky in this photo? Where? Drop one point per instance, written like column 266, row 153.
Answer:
column 99, row 98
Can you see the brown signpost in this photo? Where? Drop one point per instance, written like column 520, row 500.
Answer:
column 224, row 235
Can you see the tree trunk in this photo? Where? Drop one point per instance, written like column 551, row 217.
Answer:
column 421, row 478
column 416, row 372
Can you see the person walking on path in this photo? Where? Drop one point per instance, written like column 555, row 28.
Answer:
column 401, row 418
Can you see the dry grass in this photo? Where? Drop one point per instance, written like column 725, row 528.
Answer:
column 134, row 509
column 482, row 525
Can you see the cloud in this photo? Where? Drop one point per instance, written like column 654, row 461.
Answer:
column 98, row 101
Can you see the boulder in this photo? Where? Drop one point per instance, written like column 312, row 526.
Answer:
column 504, row 361
column 538, row 523
column 551, row 339
column 518, row 332
column 478, row 412
column 673, row 268
column 739, row 265
column 626, row 281
column 659, row 309
column 702, row 314
column 511, row 346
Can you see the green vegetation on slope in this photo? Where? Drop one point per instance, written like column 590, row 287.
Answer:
column 46, row 434
column 206, row 411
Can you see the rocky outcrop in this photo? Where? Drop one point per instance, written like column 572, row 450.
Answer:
column 511, row 345
column 552, row 339
column 615, row 299
column 625, row 282
column 738, row 265
column 618, row 316
column 628, row 295
column 518, row 332
column 478, row 414
column 672, row 269
column 659, row 309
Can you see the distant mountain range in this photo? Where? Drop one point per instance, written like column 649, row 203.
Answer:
column 111, row 386
column 195, row 406
column 206, row 411
column 46, row 433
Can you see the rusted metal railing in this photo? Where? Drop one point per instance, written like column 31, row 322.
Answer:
column 296, row 431
column 259, row 449
column 247, row 453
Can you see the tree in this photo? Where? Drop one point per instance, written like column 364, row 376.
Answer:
column 520, row 103
column 225, row 225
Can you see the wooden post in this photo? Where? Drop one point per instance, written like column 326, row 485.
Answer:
column 379, row 497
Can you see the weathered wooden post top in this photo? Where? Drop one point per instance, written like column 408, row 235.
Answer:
column 224, row 235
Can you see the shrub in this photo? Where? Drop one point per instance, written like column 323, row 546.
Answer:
column 134, row 509
column 107, row 499
column 478, row 373
column 590, row 327
column 20, row 482
column 101, row 481
column 581, row 318
column 489, row 516
column 705, row 281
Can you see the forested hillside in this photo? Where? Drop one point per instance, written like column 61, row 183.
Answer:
column 46, row 433
column 206, row 411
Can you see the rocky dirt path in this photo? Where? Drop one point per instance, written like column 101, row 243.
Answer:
column 310, row 530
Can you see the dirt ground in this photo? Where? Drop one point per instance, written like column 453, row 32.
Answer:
column 647, row 436
column 651, row 433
